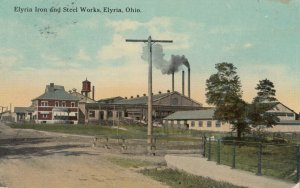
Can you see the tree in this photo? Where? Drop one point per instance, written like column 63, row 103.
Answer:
column 266, row 91
column 223, row 90
column 264, row 101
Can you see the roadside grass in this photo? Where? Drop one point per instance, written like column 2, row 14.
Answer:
column 277, row 160
column 130, row 163
column 179, row 179
column 173, row 178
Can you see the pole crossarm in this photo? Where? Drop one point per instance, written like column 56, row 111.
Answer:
column 137, row 40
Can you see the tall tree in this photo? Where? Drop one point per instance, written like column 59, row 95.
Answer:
column 223, row 90
column 264, row 101
column 265, row 91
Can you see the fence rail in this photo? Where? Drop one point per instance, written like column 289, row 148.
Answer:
column 278, row 160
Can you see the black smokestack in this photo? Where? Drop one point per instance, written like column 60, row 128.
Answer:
column 182, row 82
column 93, row 93
column 189, row 82
column 172, row 81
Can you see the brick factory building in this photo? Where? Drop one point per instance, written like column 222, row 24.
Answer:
column 55, row 106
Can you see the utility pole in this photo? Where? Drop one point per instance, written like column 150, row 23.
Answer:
column 150, row 124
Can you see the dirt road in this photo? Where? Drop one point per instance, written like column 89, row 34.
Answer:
column 30, row 158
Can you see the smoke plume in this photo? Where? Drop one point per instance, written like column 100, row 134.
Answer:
column 159, row 62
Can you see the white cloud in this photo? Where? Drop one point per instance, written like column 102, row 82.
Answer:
column 157, row 27
column 119, row 49
column 248, row 45
column 123, row 25
column 83, row 56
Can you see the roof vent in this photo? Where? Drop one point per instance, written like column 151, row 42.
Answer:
column 137, row 96
column 51, row 84
column 131, row 97
column 125, row 98
column 168, row 91
column 144, row 95
column 159, row 92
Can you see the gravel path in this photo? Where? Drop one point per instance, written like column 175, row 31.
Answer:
column 201, row 167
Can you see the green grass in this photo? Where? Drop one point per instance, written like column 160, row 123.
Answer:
column 130, row 163
column 277, row 160
column 132, row 131
column 179, row 179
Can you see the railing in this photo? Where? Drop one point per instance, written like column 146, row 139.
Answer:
column 271, row 159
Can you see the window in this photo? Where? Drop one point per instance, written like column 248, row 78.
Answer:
column 56, row 103
column 72, row 104
column 63, row 104
column 45, row 115
column 218, row 124
column 208, row 123
column 200, row 123
column 92, row 113
column 44, row 103
column 193, row 124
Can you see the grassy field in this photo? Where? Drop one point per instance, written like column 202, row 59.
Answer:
column 128, row 131
column 277, row 160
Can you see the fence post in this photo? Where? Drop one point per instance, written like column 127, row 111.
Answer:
column 298, row 163
column 204, row 145
column 219, row 152
column 259, row 165
column 233, row 154
column 209, row 149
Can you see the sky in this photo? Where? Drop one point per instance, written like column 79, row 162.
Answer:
column 260, row 37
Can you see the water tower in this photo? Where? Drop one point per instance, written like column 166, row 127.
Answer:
column 86, row 88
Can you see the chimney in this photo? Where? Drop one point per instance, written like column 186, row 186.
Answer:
column 172, row 81
column 189, row 82
column 131, row 97
column 93, row 93
column 182, row 82
column 51, row 84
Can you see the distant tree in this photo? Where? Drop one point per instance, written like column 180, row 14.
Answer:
column 265, row 91
column 264, row 101
column 223, row 90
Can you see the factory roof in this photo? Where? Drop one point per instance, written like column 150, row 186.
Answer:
column 143, row 100
column 82, row 98
column 23, row 109
column 192, row 115
column 56, row 92
column 110, row 100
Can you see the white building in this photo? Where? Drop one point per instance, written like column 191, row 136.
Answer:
column 203, row 120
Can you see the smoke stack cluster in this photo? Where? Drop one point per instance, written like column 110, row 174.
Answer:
column 168, row 67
